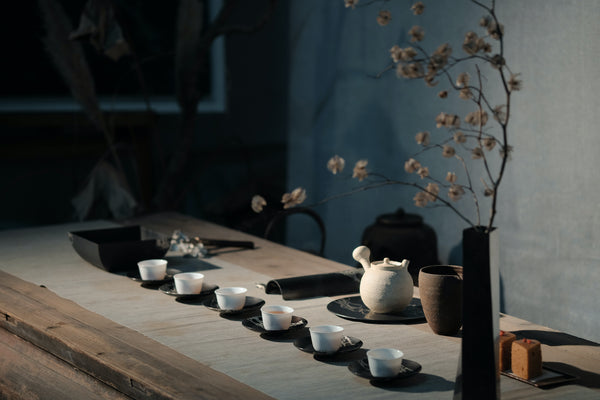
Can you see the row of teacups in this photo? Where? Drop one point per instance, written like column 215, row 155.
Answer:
column 229, row 298
column 185, row 282
column 383, row 362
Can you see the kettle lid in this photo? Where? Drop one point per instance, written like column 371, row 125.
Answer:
column 400, row 218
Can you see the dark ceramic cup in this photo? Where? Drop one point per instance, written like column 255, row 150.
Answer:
column 440, row 288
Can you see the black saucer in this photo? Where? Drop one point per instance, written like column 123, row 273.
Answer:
column 169, row 289
column 361, row 368
column 349, row 344
column 256, row 324
column 138, row 278
column 354, row 309
column 252, row 303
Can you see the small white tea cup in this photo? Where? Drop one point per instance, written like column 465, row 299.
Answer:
column 231, row 298
column 188, row 282
column 384, row 362
column 326, row 338
column 276, row 318
column 152, row 270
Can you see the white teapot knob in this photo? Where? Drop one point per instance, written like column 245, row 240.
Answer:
column 362, row 254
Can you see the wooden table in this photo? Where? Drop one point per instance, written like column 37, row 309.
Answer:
column 134, row 342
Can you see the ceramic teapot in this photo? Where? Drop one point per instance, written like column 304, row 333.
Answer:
column 401, row 235
column 386, row 286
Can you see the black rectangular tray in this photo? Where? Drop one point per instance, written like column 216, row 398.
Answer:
column 549, row 377
column 119, row 249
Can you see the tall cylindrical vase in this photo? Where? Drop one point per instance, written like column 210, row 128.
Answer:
column 479, row 377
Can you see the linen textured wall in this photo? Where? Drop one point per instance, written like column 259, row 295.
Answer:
column 549, row 211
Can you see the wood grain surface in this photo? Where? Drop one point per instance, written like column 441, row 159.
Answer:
column 194, row 338
column 26, row 371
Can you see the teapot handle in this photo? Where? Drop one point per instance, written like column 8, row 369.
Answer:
column 362, row 254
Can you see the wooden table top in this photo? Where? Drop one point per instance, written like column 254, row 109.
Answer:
column 220, row 352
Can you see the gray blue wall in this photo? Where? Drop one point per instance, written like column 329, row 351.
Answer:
column 549, row 213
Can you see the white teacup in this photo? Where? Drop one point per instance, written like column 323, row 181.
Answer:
column 385, row 363
column 152, row 270
column 188, row 282
column 231, row 298
column 276, row 318
column 326, row 338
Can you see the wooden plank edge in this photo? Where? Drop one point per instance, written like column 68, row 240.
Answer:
column 28, row 372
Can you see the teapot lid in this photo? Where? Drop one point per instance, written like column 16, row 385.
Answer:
column 400, row 218
column 388, row 264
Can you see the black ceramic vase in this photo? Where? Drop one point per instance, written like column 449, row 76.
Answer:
column 440, row 290
column 478, row 376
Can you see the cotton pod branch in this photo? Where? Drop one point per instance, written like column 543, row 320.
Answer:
column 414, row 62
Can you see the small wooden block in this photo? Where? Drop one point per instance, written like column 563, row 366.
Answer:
column 506, row 340
column 526, row 358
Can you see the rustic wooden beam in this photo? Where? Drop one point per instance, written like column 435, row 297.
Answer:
column 28, row 372
column 124, row 359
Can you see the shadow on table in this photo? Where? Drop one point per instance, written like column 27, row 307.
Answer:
column 587, row 379
column 193, row 301
column 218, row 251
column 188, row 264
column 420, row 383
column 550, row 338
column 241, row 315
column 285, row 337
column 341, row 359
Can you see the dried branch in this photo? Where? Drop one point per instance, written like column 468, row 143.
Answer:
column 189, row 96
column 136, row 62
column 411, row 64
column 187, row 40
column 70, row 62
column 480, row 135
column 388, row 182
